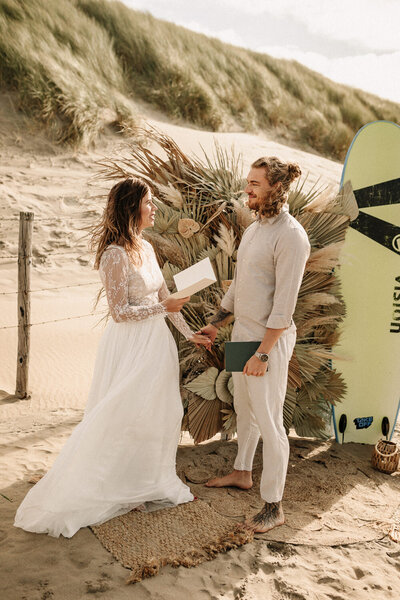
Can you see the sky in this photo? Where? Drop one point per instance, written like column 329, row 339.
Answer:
column 356, row 42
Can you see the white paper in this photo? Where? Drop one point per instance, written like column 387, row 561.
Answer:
column 195, row 278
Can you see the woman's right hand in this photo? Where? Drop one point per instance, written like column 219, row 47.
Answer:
column 174, row 304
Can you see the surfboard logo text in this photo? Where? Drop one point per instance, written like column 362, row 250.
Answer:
column 396, row 243
column 395, row 324
column 363, row 422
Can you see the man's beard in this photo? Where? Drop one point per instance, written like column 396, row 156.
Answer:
column 264, row 201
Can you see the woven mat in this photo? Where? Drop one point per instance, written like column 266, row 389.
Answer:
column 186, row 535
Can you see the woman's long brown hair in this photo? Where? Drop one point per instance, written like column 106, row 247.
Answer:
column 121, row 219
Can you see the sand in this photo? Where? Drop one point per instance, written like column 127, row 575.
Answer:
column 335, row 547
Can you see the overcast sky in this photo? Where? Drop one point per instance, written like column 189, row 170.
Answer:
column 356, row 42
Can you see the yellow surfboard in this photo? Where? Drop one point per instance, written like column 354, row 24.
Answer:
column 370, row 277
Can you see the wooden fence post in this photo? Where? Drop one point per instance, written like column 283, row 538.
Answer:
column 24, row 302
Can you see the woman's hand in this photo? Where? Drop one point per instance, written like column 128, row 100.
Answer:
column 174, row 304
column 201, row 340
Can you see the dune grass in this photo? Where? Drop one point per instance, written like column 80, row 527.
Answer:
column 64, row 67
column 79, row 63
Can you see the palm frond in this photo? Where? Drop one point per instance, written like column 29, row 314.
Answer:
column 204, row 418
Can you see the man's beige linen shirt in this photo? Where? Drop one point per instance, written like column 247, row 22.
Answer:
column 269, row 270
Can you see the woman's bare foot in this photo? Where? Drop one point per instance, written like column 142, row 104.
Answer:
column 239, row 479
column 270, row 516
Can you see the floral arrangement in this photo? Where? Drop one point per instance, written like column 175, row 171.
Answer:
column 202, row 213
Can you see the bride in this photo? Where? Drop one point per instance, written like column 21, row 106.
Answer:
column 122, row 454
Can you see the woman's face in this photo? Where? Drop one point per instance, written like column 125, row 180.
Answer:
column 147, row 212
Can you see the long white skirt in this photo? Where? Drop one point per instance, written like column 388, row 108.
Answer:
column 123, row 452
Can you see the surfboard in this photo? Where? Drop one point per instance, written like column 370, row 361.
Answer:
column 369, row 347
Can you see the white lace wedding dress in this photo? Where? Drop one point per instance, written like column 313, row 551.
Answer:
column 123, row 452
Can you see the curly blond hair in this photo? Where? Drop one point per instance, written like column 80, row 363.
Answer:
column 276, row 171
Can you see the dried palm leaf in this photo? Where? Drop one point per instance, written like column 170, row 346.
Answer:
column 324, row 229
column 322, row 202
column 311, row 420
column 229, row 420
column 289, row 407
column 205, row 418
column 204, row 384
column 316, row 282
column 294, row 373
column 314, row 301
column 224, row 387
column 346, row 203
column 299, row 199
column 325, row 259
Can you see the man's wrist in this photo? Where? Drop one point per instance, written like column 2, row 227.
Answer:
column 220, row 318
column 263, row 356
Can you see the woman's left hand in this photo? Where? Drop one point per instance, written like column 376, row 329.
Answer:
column 201, row 340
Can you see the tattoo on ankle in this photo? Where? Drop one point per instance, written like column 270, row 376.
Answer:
column 269, row 511
column 220, row 317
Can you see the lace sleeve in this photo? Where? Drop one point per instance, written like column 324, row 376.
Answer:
column 114, row 270
column 175, row 318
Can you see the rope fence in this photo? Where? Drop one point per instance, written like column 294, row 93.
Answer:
column 24, row 262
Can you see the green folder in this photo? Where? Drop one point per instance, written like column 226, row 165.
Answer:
column 238, row 353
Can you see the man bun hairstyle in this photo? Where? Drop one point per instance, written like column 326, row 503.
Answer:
column 294, row 171
column 276, row 171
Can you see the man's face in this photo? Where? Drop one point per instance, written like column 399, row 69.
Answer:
column 257, row 188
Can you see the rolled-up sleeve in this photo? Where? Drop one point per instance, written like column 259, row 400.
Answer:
column 228, row 301
column 290, row 257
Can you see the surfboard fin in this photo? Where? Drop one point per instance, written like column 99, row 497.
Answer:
column 342, row 425
column 385, row 427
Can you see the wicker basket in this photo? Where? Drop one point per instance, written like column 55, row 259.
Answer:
column 385, row 456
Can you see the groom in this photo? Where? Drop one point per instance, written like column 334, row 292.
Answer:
column 262, row 298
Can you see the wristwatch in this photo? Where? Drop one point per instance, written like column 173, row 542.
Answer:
column 263, row 356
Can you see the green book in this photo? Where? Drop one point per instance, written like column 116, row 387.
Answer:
column 238, row 353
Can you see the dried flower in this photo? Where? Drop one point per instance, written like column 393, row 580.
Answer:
column 187, row 227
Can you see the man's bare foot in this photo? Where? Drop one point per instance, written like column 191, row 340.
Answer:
column 270, row 516
column 239, row 479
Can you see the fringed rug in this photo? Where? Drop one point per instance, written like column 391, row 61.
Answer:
column 186, row 535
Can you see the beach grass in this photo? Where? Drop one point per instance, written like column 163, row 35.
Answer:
column 80, row 64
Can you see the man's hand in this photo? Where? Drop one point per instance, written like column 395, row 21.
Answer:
column 255, row 366
column 210, row 331
column 201, row 340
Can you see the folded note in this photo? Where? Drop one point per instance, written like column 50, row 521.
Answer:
column 195, row 278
